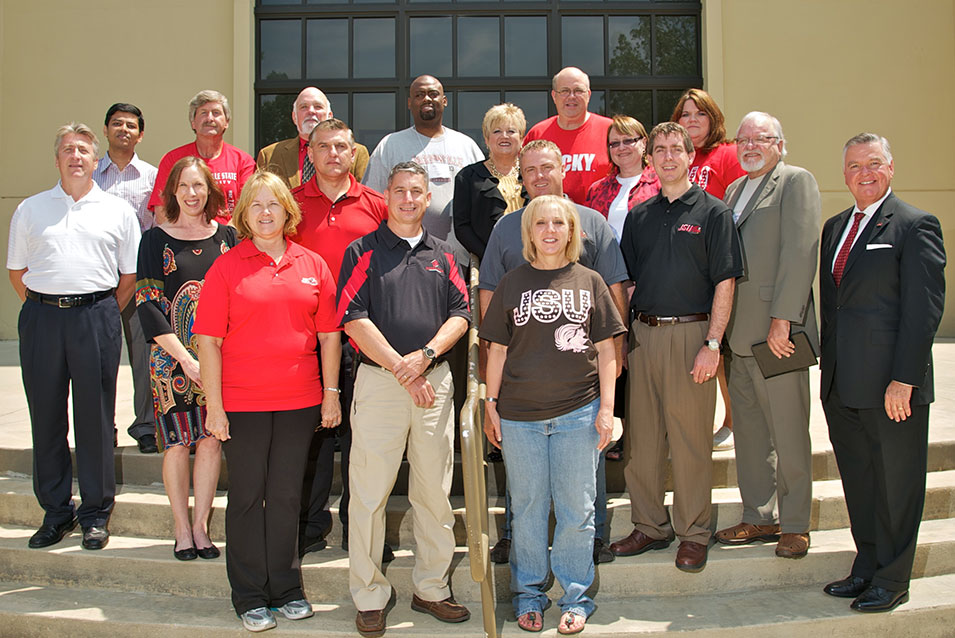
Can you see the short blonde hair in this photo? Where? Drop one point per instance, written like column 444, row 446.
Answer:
column 75, row 128
column 506, row 112
column 568, row 212
column 293, row 214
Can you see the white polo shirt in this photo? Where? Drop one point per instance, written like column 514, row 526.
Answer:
column 71, row 248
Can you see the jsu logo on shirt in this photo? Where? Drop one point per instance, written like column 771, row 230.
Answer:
column 310, row 281
column 547, row 305
column 693, row 229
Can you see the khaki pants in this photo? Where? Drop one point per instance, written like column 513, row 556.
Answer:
column 384, row 418
column 668, row 411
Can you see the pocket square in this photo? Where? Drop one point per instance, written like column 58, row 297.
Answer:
column 877, row 246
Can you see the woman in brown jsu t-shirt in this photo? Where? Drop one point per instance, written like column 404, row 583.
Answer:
column 549, row 407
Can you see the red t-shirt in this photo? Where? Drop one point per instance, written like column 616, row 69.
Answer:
column 584, row 151
column 716, row 170
column 268, row 317
column 328, row 228
column 230, row 169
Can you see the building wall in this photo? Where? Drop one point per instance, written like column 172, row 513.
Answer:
column 827, row 68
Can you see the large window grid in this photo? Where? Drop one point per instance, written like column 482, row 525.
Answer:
column 640, row 57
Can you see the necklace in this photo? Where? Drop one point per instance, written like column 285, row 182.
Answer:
column 513, row 173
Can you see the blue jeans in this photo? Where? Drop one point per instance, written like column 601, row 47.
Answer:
column 552, row 459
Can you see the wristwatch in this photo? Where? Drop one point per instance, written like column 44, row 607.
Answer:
column 429, row 353
column 712, row 344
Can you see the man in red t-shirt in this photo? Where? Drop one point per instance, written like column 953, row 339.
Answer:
column 336, row 210
column 580, row 134
column 209, row 117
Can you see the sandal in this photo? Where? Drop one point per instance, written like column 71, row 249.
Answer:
column 531, row 621
column 571, row 623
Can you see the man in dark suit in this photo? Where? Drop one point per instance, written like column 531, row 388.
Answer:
column 882, row 290
column 288, row 158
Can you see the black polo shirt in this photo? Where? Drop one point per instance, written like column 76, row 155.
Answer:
column 676, row 252
column 408, row 293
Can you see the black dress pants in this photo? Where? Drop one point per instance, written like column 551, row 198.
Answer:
column 266, row 455
column 60, row 348
column 883, row 466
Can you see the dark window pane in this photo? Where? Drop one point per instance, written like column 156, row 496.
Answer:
column 374, row 47
column 665, row 102
column 597, row 103
column 525, row 46
column 638, row 104
column 270, row 2
column 275, row 118
column 472, row 106
column 582, row 43
column 676, row 46
column 339, row 104
column 533, row 103
column 325, row 1
column 430, row 46
column 374, row 117
column 479, row 47
column 327, row 45
column 629, row 45
column 281, row 49
column 361, row 1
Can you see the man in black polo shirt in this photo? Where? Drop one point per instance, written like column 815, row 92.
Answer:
column 683, row 254
column 402, row 299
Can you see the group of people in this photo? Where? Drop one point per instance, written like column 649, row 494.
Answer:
column 312, row 299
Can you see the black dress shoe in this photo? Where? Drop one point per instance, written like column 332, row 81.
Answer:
column 308, row 544
column 208, row 553
column 188, row 553
column 147, row 444
column 95, row 537
column 876, row 598
column 51, row 534
column 847, row 587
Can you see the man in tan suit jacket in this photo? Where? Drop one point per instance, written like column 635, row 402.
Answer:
column 286, row 158
column 778, row 215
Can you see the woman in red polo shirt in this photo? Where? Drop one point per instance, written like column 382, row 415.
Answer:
column 265, row 307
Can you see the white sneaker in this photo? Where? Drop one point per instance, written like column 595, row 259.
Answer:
column 258, row 619
column 723, row 439
column 295, row 610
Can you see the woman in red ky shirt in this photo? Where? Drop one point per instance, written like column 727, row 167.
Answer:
column 265, row 308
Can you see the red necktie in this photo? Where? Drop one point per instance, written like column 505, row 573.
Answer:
column 843, row 255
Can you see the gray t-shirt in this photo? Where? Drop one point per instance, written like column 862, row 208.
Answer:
column 600, row 251
column 442, row 156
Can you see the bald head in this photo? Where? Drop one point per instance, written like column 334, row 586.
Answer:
column 310, row 107
column 426, row 101
column 571, row 95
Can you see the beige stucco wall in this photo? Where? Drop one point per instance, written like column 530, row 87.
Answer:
column 829, row 69
column 62, row 60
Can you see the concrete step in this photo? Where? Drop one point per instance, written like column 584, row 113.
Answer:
column 144, row 510
column 133, row 468
column 44, row 610
column 130, row 564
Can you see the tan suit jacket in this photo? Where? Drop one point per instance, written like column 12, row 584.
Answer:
column 779, row 230
column 281, row 158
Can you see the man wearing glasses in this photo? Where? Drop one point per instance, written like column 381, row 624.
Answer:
column 778, row 215
column 580, row 134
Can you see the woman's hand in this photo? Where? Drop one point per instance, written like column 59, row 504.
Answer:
column 331, row 410
column 191, row 367
column 604, row 425
column 218, row 424
column 492, row 424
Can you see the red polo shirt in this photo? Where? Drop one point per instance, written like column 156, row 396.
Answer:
column 328, row 227
column 268, row 316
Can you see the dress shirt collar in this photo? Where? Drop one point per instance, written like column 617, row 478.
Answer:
column 94, row 194
column 106, row 161
column 871, row 208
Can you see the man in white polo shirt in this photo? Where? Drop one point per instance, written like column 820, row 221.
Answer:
column 72, row 260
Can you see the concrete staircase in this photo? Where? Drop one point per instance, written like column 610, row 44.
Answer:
column 136, row 588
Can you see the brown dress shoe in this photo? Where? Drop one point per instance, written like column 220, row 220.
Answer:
column 793, row 545
column 637, row 543
column 371, row 623
column 747, row 533
column 446, row 610
column 691, row 557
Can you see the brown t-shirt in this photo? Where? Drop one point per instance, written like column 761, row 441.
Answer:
column 549, row 320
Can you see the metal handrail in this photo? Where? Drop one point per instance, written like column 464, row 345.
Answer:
column 473, row 466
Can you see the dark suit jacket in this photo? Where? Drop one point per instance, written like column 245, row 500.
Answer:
column 779, row 232
column 878, row 326
column 281, row 158
column 477, row 206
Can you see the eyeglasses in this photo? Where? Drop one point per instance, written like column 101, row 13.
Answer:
column 578, row 92
column 760, row 140
column 627, row 141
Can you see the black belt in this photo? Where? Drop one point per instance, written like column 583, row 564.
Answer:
column 653, row 320
column 69, row 301
column 370, row 362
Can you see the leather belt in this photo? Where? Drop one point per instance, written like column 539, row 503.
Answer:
column 69, row 301
column 654, row 321
column 367, row 361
